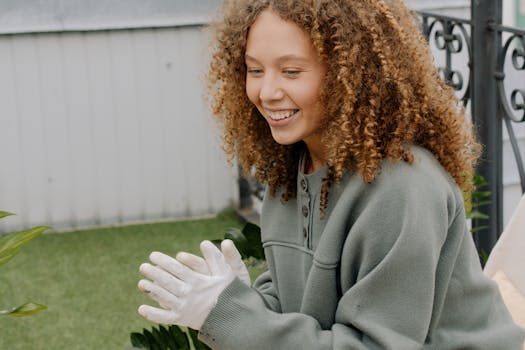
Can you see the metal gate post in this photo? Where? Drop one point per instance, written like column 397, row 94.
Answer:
column 486, row 43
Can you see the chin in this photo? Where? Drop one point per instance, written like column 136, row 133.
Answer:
column 284, row 141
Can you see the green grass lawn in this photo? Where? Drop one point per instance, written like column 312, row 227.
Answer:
column 88, row 279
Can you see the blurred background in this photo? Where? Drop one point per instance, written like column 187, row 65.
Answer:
column 103, row 118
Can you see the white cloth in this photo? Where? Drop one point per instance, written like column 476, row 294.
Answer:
column 508, row 255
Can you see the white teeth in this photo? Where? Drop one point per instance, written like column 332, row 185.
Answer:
column 281, row 115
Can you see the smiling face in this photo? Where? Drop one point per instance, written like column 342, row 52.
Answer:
column 284, row 77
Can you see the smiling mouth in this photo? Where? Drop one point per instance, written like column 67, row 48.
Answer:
column 281, row 115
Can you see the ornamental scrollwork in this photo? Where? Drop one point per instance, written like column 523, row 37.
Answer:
column 451, row 36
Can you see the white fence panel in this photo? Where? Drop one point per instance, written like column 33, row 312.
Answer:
column 108, row 127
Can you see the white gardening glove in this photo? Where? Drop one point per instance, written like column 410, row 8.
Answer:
column 231, row 256
column 234, row 259
column 187, row 296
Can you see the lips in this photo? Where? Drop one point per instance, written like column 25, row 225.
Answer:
column 278, row 115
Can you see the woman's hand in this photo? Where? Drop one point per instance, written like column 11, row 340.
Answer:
column 231, row 256
column 186, row 295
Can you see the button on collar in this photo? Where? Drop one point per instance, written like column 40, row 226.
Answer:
column 305, row 210
column 304, row 185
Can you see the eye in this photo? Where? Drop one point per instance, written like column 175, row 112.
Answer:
column 292, row 73
column 254, row 71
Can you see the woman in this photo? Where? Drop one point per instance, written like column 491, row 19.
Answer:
column 365, row 153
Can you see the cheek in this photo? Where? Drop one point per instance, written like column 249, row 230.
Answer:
column 308, row 90
column 308, row 96
column 252, row 91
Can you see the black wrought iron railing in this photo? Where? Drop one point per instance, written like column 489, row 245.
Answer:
column 495, row 59
column 451, row 35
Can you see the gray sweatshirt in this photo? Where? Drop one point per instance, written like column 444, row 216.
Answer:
column 391, row 266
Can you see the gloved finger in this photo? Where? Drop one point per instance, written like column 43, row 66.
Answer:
column 171, row 265
column 214, row 258
column 163, row 297
column 234, row 259
column 157, row 315
column 163, row 278
column 230, row 252
column 194, row 262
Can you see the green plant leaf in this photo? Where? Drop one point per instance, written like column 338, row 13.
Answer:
column 163, row 336
column 3, row 214
column 11, row 243
column 180, row 337
column 196, row 342
column 254, row 247
column 480, row 203
column 138, row 340
column 484, row 257
column 477, row 215
column 158, row 338
column 26, row 309
column 481, row 194
column 151, row 343
column 480, row 181
column 477, row 229
column 167, row 339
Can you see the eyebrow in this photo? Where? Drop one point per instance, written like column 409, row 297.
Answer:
column 281, row 59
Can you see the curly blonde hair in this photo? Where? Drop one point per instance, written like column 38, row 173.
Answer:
column 381, row 93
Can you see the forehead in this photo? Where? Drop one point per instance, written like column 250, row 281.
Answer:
column 270, row 35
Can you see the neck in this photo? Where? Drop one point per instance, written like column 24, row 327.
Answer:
column 315, row 161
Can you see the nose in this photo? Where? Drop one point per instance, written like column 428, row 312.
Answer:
column 270, row 89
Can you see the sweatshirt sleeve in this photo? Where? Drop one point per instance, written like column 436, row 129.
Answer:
column 241, row 320
column 264, row 285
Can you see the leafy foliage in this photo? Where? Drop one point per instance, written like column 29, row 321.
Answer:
column 476, row 200
column 247, row 241
column 473, row 202
column 170, row 338
column 10, row 245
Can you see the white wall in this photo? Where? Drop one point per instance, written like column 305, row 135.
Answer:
column 39, row 16
column 456, row 8
column 107, row 127
column 514, row 79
